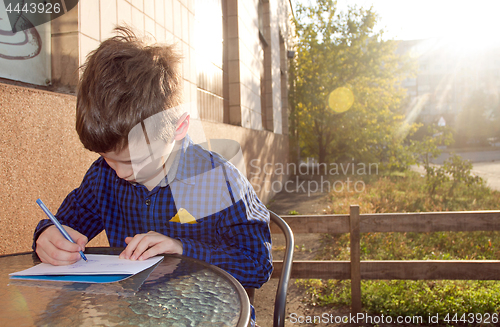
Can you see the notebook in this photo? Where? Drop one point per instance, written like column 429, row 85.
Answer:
column 99, row 269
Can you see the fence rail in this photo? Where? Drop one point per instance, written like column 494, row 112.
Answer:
column 356, row 270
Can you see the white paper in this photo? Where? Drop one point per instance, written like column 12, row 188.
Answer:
column 98, row 264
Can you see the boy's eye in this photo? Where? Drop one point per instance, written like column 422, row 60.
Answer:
column 139, row 161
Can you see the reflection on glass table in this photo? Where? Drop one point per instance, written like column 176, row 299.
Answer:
column 179, row 291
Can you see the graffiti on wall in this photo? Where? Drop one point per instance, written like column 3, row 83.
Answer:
column 25, row 48
column 22, row 44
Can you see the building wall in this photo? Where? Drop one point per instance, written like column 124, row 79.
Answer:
column 259, row 148
column 80, row 31
column 209, row 46
column 250, row 61
column 41, row 156
column 275, row 67
column 77, row 33
column 245, row 61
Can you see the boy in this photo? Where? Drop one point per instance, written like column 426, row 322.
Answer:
column 152, row 190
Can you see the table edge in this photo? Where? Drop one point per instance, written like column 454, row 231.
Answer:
column 244, row 318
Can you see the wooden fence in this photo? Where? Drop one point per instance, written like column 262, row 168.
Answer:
column 356, row 270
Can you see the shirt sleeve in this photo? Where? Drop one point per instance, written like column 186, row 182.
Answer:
column 77, row 210
column 242, row 245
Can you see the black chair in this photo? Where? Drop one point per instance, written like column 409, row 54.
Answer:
column 281, row 292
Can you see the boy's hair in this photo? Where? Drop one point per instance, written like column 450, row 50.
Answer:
column 124, row 82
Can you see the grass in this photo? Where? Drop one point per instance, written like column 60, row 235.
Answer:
column 410, row 192
column 411, row 298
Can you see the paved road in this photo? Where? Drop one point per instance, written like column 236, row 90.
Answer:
column 490, row 171
column 480, row 156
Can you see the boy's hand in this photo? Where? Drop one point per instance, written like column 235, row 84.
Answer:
column 52, row 247
column 144, row 246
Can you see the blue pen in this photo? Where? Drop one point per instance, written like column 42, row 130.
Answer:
column 58, row 225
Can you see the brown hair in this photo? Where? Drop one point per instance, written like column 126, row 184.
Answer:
column 124, row 82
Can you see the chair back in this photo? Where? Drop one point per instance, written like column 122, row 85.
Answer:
column 281, row 292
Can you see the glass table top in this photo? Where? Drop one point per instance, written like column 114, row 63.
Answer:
column 179, row 291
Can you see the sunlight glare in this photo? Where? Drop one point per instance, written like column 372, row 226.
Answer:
column 413, row 112
column 209, row 34
column 469, row 25
column 341, row 99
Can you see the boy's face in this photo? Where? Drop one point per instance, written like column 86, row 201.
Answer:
column 144, row 161
column 140, row 164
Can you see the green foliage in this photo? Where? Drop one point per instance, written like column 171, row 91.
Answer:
column 451, row 187
column 435, row 177
column 343, row 50
column 408, row 192
column 415, row 246
column 455, row 169
column 478, row 120
column 327, row 292
column 420, row 298
column 410, row 298
column 427, row 147
column 461, row 173
column 293, row 212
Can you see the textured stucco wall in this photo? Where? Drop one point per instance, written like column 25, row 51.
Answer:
column 41, row 157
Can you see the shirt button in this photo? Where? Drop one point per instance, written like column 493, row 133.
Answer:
column 148, row 202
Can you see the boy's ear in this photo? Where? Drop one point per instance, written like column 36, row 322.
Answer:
column 182, row 127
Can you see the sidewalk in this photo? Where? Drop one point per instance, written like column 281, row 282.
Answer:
column 299, row 200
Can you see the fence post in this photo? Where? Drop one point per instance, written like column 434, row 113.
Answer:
column 355, row 260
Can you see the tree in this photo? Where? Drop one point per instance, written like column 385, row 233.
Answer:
column 342, row 52
column 478, row 120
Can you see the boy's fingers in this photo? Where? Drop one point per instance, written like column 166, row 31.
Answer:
column 142, row 246
column 151, row 252
column 63, row 257
column 53, row 248
column 54, row 256
column 132, row 244
column 79, row 238
column 146, row 242
column 81, row 243
column 159, row 244
column 52, row 236
column 63, row 244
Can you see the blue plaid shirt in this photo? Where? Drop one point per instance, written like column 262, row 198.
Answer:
column 231, row 229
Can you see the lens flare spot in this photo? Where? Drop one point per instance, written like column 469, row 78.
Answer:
column 341, row 99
